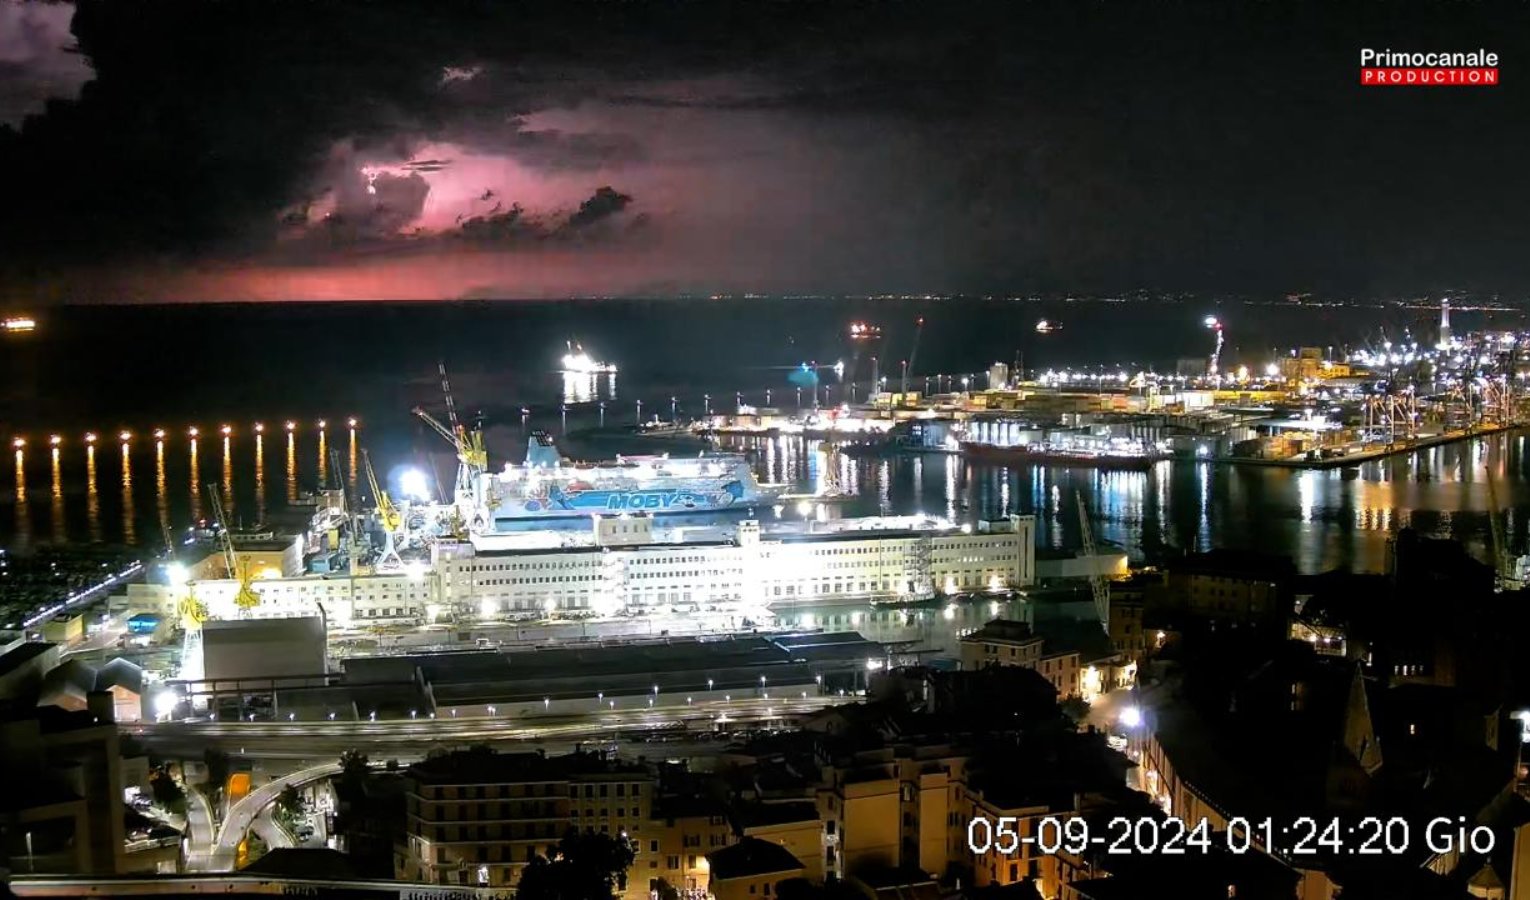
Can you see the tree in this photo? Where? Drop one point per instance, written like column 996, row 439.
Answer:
column 166, row 791
column 665, row 890
column 1075, row 708
column 585, row 867
column 354, row 766
column 290, row 802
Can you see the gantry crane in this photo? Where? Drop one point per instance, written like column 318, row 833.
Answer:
column 1096, row 580
column 246, row 598
column 387, row 514
column 472, row 457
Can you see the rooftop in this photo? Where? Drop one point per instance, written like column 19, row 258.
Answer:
column 481, row 766
column 1010, row 630
column 21, row 655
column 750, row 857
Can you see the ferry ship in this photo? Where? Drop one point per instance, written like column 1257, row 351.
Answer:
column 548, row 486
column 1044, row 455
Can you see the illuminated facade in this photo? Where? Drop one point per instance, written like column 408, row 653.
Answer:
column 756, row 568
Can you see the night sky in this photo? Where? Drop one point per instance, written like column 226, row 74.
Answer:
column 187, row 150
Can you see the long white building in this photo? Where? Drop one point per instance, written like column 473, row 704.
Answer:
column 622, row 567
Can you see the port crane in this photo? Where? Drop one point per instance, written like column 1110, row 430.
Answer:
column 246, row 598
column 472, row 457
column 1506, row 576
column 1097, row 586
column 387, row 514
column 913, row 355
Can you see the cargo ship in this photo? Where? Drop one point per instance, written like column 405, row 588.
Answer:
column 547, row 486
column 1045, row 455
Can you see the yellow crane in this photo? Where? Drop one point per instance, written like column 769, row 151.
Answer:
column 246, row 598
column 388, row 514
column 468, row 444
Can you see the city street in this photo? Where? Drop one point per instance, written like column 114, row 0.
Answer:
column 404, row 741
column 199, row 830
column 245, row 813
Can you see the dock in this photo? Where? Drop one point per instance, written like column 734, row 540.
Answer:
column 1364, row 456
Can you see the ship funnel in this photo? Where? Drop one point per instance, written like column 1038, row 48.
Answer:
column 541, row 451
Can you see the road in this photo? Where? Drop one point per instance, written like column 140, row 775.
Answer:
column 317, row 740
column 200, row 832
column 275, row 836
column 405, row 739
column 243, row 814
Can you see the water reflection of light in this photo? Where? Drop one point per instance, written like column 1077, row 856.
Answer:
column 1203, row 531
column 56, row 500
column 588, row 387
column 228, row 479
column 884, row 488
column 260, row 476
column 919, row 482
column 291, row 468
column 196, row 479
column 1306, row 489
column 351, row 463
column 92, row 496
column 129, row 527
column 812, row 458
column 951, row 467
column 161, row 498
column 23, row 514
column 323, row 458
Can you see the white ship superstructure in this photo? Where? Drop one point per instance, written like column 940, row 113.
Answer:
column 624, row 567
column 547, row 487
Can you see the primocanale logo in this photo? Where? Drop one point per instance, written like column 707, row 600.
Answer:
column 1470, row 68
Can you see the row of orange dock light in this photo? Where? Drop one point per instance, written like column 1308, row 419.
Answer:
column 159, row 433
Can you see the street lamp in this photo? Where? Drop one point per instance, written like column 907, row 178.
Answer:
column 602, row 414
column 674, row 415
column 639, row 412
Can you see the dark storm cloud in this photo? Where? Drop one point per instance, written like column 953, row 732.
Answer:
column 978, row 146
column 606, row 202
column 38, row 61
column 372, row 222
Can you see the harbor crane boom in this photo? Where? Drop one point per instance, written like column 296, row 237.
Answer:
column 245, row 598
column 469, row 443
column 1505, row 576
column 913, row 354
column 1097, row 586
column 392, row 520
column 387, row 513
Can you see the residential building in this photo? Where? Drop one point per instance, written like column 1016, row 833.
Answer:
column 752, row 869
column 476, row 817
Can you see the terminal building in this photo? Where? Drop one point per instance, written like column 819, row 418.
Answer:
column 622, row 567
